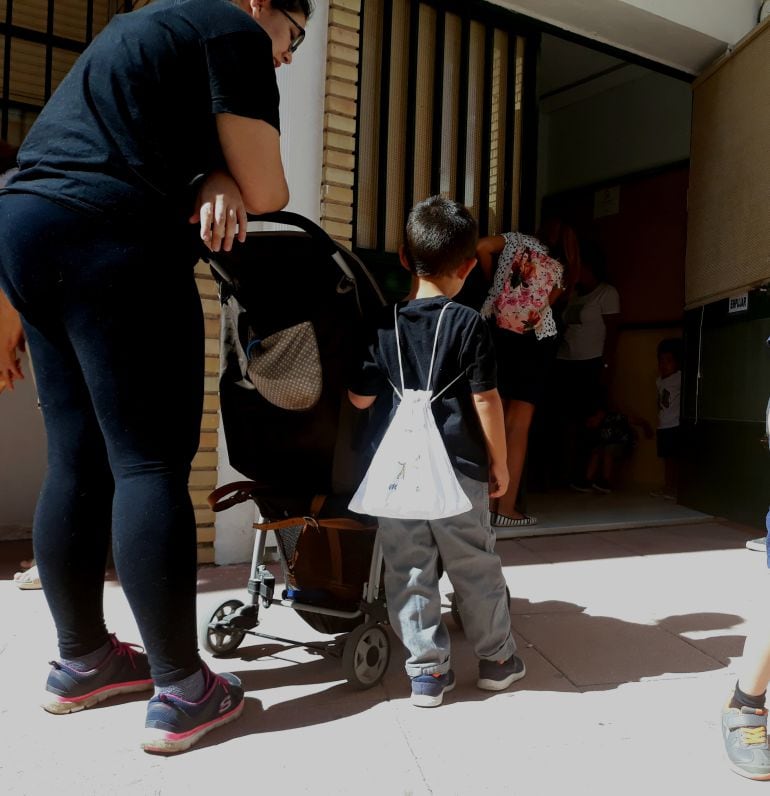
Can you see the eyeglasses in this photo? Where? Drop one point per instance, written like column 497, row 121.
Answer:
column 300, row 37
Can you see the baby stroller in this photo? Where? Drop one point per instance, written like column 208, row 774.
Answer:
column 291, row 303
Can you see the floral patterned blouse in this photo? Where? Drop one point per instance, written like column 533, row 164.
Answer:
column 523, row 281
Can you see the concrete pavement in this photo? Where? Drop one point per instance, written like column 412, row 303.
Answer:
column 629, row 639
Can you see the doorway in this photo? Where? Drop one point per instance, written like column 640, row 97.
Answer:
column 612, row 152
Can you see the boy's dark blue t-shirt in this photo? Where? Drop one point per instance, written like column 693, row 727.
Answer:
column 133, row 123
column 464, row 346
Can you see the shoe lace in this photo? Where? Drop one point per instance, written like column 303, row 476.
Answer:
column 126, row 648
column 171, row 700
column 754, row 736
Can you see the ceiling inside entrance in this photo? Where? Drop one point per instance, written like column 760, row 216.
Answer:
column 569, row 72
column 628, row 27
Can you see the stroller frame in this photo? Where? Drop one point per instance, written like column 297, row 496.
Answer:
column 362, row 646
column 364, row 651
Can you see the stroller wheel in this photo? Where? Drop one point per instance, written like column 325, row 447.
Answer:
column 216, row 635
column 455, row 609
column 365, row 656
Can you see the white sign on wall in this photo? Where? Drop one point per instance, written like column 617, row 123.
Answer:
column 738, row 303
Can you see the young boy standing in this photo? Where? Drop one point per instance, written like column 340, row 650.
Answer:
column 440, row 252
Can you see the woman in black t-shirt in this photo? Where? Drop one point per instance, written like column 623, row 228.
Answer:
column 167, row 125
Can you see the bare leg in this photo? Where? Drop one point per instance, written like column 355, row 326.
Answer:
column 518, row 418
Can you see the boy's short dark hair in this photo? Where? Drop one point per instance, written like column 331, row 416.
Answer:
column 673, row 346
column 440, row 235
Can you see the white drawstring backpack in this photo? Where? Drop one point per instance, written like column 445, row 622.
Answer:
column 410, row 476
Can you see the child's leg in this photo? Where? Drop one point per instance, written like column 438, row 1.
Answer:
column 608, row 463
column 466, row 543
column 413, row 598
column 593, row 464
column 671, row 469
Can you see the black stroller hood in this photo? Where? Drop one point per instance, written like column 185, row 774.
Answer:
column 275, row 282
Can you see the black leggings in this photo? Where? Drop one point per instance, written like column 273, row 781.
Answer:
column 115, row 331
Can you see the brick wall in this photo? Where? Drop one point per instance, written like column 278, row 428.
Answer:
column 340, row 119
column 204, row 469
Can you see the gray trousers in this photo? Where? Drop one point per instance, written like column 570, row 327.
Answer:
column 411, row 549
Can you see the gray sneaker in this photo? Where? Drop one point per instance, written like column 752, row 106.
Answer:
column 745, row 735
column 124, row 670
column 759, row 545
column 498, row 675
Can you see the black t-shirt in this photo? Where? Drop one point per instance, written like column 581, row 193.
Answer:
column 464, row 346
column 133, row 123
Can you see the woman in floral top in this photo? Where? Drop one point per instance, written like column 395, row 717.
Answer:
column 527, row 280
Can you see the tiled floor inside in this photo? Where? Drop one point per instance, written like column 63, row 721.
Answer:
column 630, row 640
column 566, row 511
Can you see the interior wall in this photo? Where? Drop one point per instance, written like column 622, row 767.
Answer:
column 628, row 128
column 641, row 232
column 634, row 393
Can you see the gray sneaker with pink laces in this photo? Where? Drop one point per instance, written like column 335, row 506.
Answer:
column 123, row 670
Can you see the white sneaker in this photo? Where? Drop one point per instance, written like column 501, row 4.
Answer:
column 760, row 545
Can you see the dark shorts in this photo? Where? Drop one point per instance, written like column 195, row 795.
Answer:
column 523, row 364
column 669, row 442
column 579, row 387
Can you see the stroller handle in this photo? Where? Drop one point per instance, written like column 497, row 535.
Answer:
column 319, row 235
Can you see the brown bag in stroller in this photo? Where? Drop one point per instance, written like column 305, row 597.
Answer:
column 330, row 555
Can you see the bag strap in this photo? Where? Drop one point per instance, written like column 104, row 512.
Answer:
column 232, row 494
column 337, row 523
column 432, row 356
column 444, row 389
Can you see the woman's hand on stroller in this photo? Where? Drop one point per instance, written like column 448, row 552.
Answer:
column 220, row 211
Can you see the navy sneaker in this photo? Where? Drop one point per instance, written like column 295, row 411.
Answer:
column 428, row 689
column 745, row 735
column 498, row 675
column 124, row 670
column 173, row 724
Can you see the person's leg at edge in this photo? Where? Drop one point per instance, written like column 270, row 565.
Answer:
column 414, row 606
column 744, row 718
column 71, row 527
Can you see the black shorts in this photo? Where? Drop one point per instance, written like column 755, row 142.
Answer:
column 579, row 386
column 523, row 364
column 669, row 442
